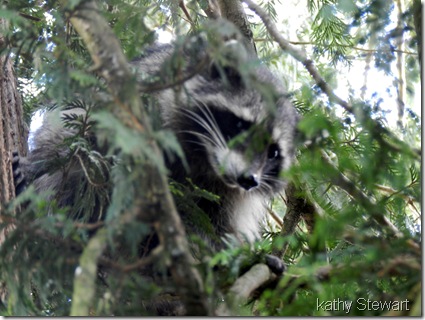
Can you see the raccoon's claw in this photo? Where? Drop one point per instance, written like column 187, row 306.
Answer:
column 275, row 264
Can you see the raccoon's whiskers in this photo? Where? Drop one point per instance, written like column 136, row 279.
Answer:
column 270, row 183
column 264, row 187
column 209, row 126
column 207, row 113
column 202, row 137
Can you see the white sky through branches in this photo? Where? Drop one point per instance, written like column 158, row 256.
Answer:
column 291, row 17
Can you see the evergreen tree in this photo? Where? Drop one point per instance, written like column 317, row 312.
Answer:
column 348, row 226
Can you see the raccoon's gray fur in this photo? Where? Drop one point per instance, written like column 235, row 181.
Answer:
column 205, row 115
column 215, row 105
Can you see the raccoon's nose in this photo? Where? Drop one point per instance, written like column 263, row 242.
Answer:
column 248, row 181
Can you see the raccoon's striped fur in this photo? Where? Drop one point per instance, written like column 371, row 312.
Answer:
column 236, row 139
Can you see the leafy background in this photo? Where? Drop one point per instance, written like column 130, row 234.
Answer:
column 359, row 169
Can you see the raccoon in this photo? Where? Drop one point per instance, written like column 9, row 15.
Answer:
column 236, row 139
column 236, row 130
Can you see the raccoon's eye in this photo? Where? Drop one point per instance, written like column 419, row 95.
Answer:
column 273, row 152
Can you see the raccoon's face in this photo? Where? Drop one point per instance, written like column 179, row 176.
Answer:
column 244, row 154
column 237, row 128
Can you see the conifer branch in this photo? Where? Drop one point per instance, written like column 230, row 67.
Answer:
column 86, row 274
column 111, row 63
column 395, row 143
column 298, row 55
column 351, row 47
column 340, row 180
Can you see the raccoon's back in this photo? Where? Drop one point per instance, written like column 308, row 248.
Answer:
column 47, row 165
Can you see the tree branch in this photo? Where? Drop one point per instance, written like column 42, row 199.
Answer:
column 212, row 9
column 86, row 274
column 351, row 47
column 182, row 6
column 233, row 11
column 110, row 62
column 297, row 207
column 301, row 56
column 340, row 180
column 298, row 55
column 243, row 287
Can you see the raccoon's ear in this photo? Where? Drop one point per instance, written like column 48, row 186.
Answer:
column 233, row 55
column 227, row 74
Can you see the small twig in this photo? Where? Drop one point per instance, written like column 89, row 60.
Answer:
column 34, row 228
column 145, row 261
column 86, row 226
column 323, row 85
column 182, row 6
column 355, row 48
column 29, row 17
column 410, row 200
column 308, row 43
column 392, row 266
column 298, row 55
column 352, row 190
column 275, row 217
column 96, row 185
column 79, row 225
column 160, row 85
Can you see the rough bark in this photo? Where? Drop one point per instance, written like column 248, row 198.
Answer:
column 211, row 8
column 298, row 207
column 13, row 133
column 13, row 130
column 111, row 64
column 233, row 11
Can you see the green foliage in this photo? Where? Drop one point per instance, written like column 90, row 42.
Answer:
column 362, row 175
column 330, row 33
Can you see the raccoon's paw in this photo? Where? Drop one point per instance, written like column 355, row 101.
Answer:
column 18, row 176
column 275, row 264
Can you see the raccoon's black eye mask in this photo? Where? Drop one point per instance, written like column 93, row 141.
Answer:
column 229, row 124
column 236, row 132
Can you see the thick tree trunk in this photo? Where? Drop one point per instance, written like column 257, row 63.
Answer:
column 13, row 130
column 13, row 134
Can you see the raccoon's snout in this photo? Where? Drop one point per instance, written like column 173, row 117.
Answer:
column 248, row 181
column 235, row 170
